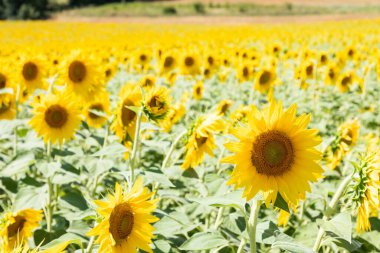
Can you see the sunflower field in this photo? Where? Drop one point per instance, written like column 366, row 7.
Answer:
column 119, row 138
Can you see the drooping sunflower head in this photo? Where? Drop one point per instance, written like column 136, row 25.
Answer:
column 56, row 117
column 125, row 120
column 17, row 227
column 96, row 111
column 273, row 150
column 126, row 220
column 201, row 139
column 157, row 103
column 198, row 90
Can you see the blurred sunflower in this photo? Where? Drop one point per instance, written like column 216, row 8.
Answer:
column 175, row 113
column 156, row 103
column 345, row 80
column 17, row 227
column 201, row 139
column 32, row 73
column 265, row 79
column 273, row 151
column 147, row 82
column 8, row 110
column 126, row 220
column 198, row 90
column 223, row 106
column 190, row 64
column 56, row 117
column 97, row 110
column 82, row 75
column 125, row 121
column 167, row 63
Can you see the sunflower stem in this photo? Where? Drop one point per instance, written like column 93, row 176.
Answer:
column 241, row 245
column 90, row 244
column 49, row 207
column 167, row 158
column 331, row 206
column 15, row 139
column 132, row 162
column 252, row 224
column 219, row 217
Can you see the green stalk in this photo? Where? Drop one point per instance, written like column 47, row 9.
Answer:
column 241, row 245
column 252, row 223
column 219, row 217
column 331, row 206
column 132, row 162
column 49, row 206
column 15, row 139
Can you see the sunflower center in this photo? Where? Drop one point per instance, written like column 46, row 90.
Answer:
column 323, row 58
column 127, row 115
column 200, row 141
column 272, row 153
column 108, row 72
column 189, row 61
column 77, row 71
column 30, row 71
column 224, row 108
column 198, row 90
column 245, row 72
column 121, row 222
column 346, row 80
column 3, row 81
column 168, row 62
column 210, row 60
column 56, row 116
column 143, row 57
column 155, row 102
column 17, row 226
column 95, row 107
column 265, row 77
column 309, row 70
column 331, row 74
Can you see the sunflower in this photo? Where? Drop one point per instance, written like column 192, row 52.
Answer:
column 126, row 220
column 345, row 81
column 265, row 79
column 17, row 227
column 174, row 115
column 125, row 122
column 349, row 133
column 190, row 64
column 331, row 75
column 167, row 63
column 201, row 139
column 365, row 189
column 273, row 151
column 81, row 74
column 147, row 82
column 97, row 110
column 198, row 90
column 323, row 58
column 142, row 59
column 56, row 117
column 224, row 106
column 8, row 110
column 32, row 73
column 244, row 72
column 6, row 82
column 157, row 103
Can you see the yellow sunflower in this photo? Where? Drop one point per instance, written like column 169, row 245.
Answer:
column 6, row 82
column 17, row 227
column 147, row 82
column 8, row 110
column 175, row 113
column 275, row 155
column 32, row 73
column 201, row 139
column 198, row 90
column 127, row 217
column 331, row 75
column 97, row 110
column 56, row 117
column 265, row 79
column 345, row 80
column 190, row 64
column 125, row 121
column 167, row 63
column 82, row 75
column 224, row 106
column 157, row 103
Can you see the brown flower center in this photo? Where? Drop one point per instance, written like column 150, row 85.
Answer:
column 156, row 103
column 3, row 81
column 77, row 71
column 198, row 90
column 189, row 61
column 30, row 71
column 309, row 70
column 127, row 115
column 121, row 222
column 265, row 77
column 346, row 80
column 95, row 107
column 17, row 226
column 200, row 141
column 210, row 60
column 272, row 153
column 143, row 57
column 331, row 74
column 56, row 116
column 168, row 62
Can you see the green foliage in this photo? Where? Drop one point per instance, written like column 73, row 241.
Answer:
column 28, row 9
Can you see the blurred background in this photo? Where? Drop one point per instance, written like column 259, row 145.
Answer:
column 190, row 10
